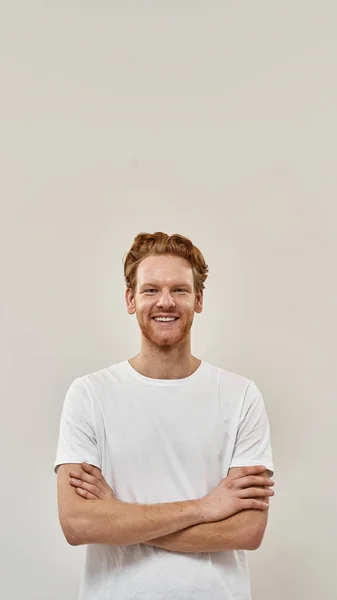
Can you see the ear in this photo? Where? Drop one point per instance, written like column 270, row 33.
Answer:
column 198, row 304
column 130, row 301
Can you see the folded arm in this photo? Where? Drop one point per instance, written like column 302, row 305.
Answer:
column 242, row 531
column 99, row 517
column 111, row 521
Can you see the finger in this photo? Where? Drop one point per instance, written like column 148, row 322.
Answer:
column 87, row 487
column 253, row 503
column 85, row 494
column 96, row 477
column 91, row 469
column 251, row 470
column 255, row 492
column 251, row 480
column 87, row 478
column 82, row 476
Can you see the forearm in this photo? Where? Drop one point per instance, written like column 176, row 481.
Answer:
column 238, row 532
column 121, row 523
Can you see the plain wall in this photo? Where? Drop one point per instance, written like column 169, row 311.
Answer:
column 214, row 119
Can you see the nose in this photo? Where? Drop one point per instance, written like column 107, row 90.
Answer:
column 165, row 300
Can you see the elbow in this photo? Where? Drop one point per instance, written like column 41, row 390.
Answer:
column 253, row 544
column 72, row 538
column 255, row 540
column 72, row 531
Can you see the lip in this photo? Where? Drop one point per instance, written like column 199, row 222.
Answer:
column 166, row 322
column 165, row 316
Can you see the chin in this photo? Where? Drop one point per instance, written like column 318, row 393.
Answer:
column 159, row 340
column 163, row 340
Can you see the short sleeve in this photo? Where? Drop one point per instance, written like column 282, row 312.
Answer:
column 77, row 441
column 253, row 445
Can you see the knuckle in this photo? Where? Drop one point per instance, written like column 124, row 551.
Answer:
column 94, row 490
column 93, row 479
column 236, row 502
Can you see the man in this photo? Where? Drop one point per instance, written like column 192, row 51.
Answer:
column 164, row 460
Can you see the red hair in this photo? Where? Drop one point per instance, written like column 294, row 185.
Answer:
column 152, row 244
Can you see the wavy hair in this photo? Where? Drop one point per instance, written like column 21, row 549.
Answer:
column 152, row 244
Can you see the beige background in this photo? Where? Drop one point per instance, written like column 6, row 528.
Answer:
column 214, row 119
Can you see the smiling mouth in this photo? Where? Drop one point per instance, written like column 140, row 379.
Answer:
column 165, row 322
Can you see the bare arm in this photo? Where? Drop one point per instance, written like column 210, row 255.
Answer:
column 231, row 496
column 238, row 532
column 242, row 531
column 111, row 521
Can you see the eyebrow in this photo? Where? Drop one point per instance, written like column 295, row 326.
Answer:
column 186, row 285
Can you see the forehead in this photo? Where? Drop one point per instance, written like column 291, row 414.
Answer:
column 164, row 269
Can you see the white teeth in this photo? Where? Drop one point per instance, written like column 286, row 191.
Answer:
column 164, row 318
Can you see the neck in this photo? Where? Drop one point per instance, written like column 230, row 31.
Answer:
column 165, row 362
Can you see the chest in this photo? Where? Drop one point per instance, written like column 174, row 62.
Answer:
column 163, row 445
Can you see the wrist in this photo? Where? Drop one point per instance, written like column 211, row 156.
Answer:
column 198, row 510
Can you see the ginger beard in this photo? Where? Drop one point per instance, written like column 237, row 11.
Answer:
column 165, row 334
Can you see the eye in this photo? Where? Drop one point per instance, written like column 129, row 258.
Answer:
column 149, row 290
column 180, row 290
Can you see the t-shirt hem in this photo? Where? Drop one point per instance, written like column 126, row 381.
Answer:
column 73, row 459
column 252, row 463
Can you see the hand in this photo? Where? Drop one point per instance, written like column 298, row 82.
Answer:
column 235, row 493
column 90, row 483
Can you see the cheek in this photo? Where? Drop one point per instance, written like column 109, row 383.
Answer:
column 188, row 307
column 145, row 309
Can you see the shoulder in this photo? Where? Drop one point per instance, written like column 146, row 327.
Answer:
column 232, row 381
column 96, row 381
column 234, row 390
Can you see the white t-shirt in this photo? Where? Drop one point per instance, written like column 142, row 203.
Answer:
column 163, row 440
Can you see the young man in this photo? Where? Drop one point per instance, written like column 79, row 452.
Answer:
column 176, row 480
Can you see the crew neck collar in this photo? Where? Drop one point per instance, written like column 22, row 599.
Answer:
column 167, row 382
